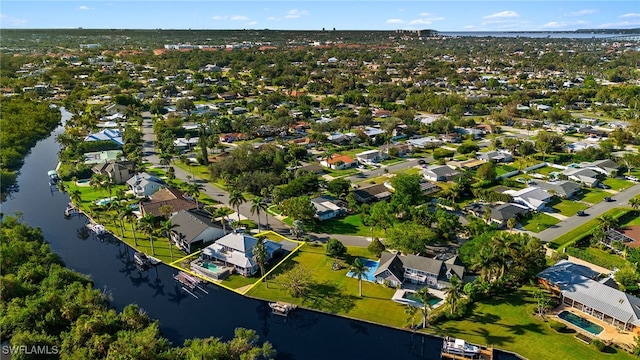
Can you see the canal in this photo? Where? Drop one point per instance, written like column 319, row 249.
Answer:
column 302, row 335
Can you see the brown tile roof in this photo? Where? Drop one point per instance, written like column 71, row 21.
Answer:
column 632, row 232
column 167, row 196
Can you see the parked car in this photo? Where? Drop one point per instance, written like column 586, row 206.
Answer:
column 581, row 213
column 421, row 162
column 608, row 199
column 632, row 178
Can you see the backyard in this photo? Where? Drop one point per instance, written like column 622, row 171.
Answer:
column 349, row 225
column 617, row 184
column 567, row 207
column 593, row 196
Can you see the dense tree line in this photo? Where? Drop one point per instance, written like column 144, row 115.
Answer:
column 22, row 123
column 45, row 304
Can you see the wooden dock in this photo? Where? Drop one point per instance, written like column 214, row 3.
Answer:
column 486, row 353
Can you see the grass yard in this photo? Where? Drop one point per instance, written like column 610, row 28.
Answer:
column 545, row 170
column 392, row 161
column 583, row 230
column 607, row 257
column 334, row 292
column 568, row 207
column 341, row 173
column 538, row 222
column 593, row 196
column 349, row 225
column 506, row 322
column 617, row 184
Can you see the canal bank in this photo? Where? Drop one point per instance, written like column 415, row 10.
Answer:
column 110, row 264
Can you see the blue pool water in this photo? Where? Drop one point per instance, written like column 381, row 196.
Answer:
column 372, row 265
column 581, row 322
column 411, row 296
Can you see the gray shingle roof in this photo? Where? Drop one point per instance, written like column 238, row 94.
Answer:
column 189, row 225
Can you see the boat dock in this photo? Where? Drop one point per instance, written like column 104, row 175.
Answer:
column 71, row 210
column 458, row 349
column 190, row 282
column 97, row 228
column 282, row 308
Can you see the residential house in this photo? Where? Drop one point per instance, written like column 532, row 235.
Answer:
column 563, row 188
column 167, row 198
column 229, row 138
column 314, row 168
column 106, row 135
column 440, row 173
column 236, row 249
column 425, row 142
column 112, row 109
column 117, row 171
column 497, row 156
column 579, row 289
column 500, row 214
column 403, row 149
column 427, row 187
column 584, row 176
column 144, row 184
column 98, row 157
column 588, row 130
column 532, row 197
column 371, row 157
column 605, row 167
column 193, row 229
column 339, row 162
column 339, row 138
column 395, row 269
column 328, row 207
column 372, row 193
column 184, row 143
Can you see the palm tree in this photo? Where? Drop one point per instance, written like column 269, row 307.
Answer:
column 121, row 211
column 166, row 227
column 76, row 196
column 236, row 198
column 129, row 215
column 484, row 262
column 606, row 222
column 147, row 224
column 411, row 312
column 219, row 213
column 260, row 253
column 424, row 296
column 359, row 270
column 195, row 189
column 256, row 207
column 635, row 203
column 511, row 223
column 454, row 293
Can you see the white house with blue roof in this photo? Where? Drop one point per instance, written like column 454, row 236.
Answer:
column 106, row 134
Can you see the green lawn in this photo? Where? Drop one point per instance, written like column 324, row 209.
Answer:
column 568, row 207
column 506, row 323
column 617, row 184
column 349, row 225
column 341, row 173
column 593, row 196
column 393, row 161
column 583, row 230
column 538, row 222
column 607, row 257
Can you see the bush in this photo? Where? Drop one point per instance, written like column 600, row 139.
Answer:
column 599, row 345
column 558, row 326
column 441, row 153
column 336, row 248
column 584, row 255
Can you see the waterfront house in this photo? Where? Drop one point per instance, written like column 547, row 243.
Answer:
column 91, row 158
column 440, row 173
column 112, row 135
column 165, row 199
column 532, row 197
column 396, row 269
column 117, row 171
column 579, row 289
column 144, row 184
column 236, row 249
column 328, row 207
column 193, row 229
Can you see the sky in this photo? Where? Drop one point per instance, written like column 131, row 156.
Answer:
column 451, row 15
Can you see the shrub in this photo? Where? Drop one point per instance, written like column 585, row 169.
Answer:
column 335, row 248
column 557, row 326
column 599, row 345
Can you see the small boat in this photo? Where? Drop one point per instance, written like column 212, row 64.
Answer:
column 282, row 308
column 97, row 228
column 71, row 210
column 141, row 259
column 461, row 348
column 53, row 177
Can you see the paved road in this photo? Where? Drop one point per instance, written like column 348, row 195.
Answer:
column 620, row 199
column 148, row 138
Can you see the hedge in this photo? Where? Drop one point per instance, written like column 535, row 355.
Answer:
column 586, row 256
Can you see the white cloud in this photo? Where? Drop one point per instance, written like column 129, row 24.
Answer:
column 630, row 15
column 502, row 15
column 8, row 20
column 218, row 18
column 394, row 21
column 420, row 22
column 554, row 25
column 83, row 7
column 239, row 18
column 272, row 18
column 582, row 12
column 232, row 18
column 295, row 13
column 252, row 23
column 469, row 27
column 620, row 24
column 424, row 14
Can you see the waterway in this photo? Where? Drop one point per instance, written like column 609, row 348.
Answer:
column 303, row 335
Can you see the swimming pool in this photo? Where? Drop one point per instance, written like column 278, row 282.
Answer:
column 372, row 266
column 104, row 201
column 211, row 267
column 412, row 296
column 580, row 322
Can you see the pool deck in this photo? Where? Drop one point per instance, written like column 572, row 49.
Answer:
column 609, row 334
